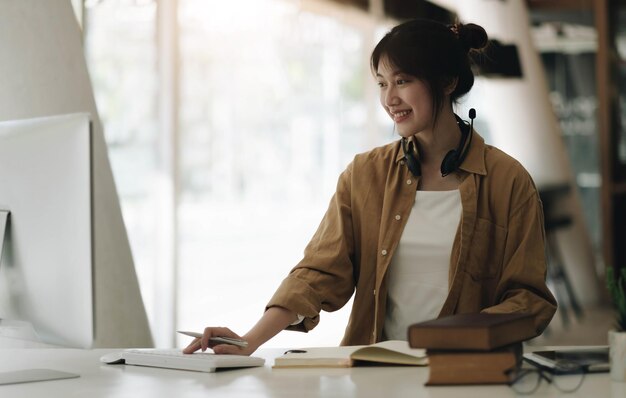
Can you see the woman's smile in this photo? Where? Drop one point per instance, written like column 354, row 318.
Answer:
column 400, row 116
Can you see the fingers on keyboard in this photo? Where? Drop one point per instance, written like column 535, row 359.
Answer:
column 193, row 347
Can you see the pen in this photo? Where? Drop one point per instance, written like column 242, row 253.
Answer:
column 223, row 340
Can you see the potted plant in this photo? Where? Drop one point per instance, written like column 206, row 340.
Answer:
column 616, row 284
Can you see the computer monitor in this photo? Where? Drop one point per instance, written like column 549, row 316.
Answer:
column 46, row 269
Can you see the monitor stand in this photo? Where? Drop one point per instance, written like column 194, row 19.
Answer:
column 18, row 334
column 10, row 331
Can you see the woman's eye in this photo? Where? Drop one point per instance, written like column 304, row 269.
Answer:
column 401, row 82
column 381, row 84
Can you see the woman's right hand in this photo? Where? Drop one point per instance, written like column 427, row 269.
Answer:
column 203, row 343
column 273, row 321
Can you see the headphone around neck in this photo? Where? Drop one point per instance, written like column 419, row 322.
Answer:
column 453, row 159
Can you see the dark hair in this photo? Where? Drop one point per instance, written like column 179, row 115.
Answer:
column 434, row 53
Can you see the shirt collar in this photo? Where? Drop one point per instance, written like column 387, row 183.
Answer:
column 474, row 161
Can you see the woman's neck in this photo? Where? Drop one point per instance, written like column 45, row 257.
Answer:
column 434, row 143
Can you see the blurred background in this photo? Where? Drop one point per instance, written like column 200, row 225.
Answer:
column 228, row 123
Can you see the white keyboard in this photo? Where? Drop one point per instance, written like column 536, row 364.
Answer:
column 199, row 361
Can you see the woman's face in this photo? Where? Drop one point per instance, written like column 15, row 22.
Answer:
column 406, row 99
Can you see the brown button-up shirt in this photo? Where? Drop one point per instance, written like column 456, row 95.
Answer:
column 498, row 260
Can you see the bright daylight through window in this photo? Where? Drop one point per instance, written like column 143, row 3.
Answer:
column 271, row 101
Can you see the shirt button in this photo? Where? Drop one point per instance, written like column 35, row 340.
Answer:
column 384, row 252
column 402, row 162
column 398, row 217
column 409, row 182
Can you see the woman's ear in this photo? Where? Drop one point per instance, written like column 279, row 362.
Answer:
column 449, row 89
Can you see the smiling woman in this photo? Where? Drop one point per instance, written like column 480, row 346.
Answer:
column 462, row 233
column 263, row 119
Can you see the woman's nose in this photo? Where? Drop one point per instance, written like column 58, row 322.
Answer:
column 391, row 97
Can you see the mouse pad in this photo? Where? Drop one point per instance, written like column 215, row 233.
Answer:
column 32, row 375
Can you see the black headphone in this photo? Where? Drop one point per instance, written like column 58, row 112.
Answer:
column 453, row 159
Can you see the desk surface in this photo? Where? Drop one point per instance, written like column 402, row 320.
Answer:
column 99, row 380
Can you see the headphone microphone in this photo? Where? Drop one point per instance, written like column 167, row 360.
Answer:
column 454, row 158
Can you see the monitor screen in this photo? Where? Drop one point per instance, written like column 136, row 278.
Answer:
column 46, row 269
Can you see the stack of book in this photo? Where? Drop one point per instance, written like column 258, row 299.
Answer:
column 472, row 348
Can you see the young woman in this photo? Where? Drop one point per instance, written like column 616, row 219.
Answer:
column 434, row 224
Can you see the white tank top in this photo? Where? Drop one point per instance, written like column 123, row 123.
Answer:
column 418, row 274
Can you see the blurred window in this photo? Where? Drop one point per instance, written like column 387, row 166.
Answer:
column 274, row 100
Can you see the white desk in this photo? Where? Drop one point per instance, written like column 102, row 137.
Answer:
column 99, row 380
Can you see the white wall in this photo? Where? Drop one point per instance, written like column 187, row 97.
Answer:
column 43, row 72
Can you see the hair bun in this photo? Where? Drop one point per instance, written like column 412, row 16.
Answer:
column 472, row 36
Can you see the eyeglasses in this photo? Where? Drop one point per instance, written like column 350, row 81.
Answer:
column 566, row 377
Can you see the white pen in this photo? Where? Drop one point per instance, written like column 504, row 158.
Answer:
column 223, row 340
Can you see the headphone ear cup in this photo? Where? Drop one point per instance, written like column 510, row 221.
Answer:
column 449, row 163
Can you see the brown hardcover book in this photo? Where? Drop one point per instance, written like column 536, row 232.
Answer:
column 482, row 332
column 473, row 367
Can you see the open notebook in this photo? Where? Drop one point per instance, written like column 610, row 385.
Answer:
column 175, row 359
column 393, row 352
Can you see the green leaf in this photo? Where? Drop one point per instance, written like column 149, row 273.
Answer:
column 617, row 290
